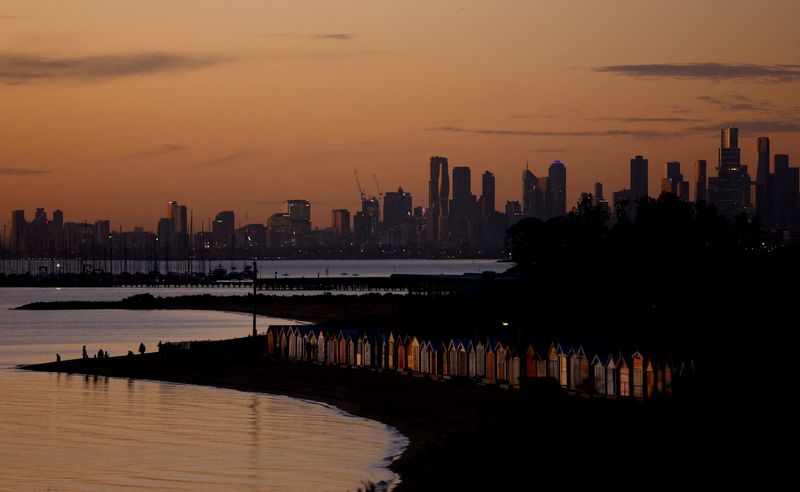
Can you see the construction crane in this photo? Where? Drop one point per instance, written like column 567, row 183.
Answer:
column 360, row 190
column 380, row 191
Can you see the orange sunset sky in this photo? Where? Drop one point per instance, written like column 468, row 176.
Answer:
column 108, row 109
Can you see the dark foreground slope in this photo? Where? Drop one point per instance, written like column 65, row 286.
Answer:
column 469, row 437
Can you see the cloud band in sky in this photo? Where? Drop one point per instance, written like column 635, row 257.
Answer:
column 21, row 171
column 20, row 68
column 713, row 71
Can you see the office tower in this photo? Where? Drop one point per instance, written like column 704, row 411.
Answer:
column 279, row 230
column 730, row 190
column 463, row 209
column 397, row 207
column 223, row 229
column 365, row 222
column 528, row 191
column 300, row 215
column 700, row 181
column 639, row 178
column 487, row 194
column 784, row 196
column 513, row 212
column 673, row 179
column 166, row 237
column 557, row 190
column 598, row 194
column 438, row 198
column 534, row 199
column 18, row 226
column 181, row 227
column 763, row 205
column 172, row 209
column 340, row 223
column 462, row 185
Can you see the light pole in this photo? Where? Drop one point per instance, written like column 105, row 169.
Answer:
column 255, row 277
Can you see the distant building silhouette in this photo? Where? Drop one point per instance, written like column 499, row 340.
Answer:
column 397, row 217
column 556, row 190
column 763, row 203
column 639, row 178
column 223, row 227
column 300, row 216
column 487, row 194
column 700, row 181
column 730, row 190
column 438, row 198
column 513, row 212
column 340, row 223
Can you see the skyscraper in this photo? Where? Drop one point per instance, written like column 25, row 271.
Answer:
column 638, row 178
column 18, row 226
column 534, row 201
column 730, row 190
column 763, row 205
column 673, row 179
column 557, row 190
column 397, row 207
column 300, row 216
column 340, row 223
column 700, row 181
column 487, row 194
column 223, row 229
column 438, row 198
column 598, row 194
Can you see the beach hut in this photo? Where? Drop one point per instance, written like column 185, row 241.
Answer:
column 491, row 364
column 359, row 351
column 351, row 351
column 579, row 369
column 306, row 348
column 471, row 360
column 424, row 358
column 513, row 367
column 412, row 353
column 444, row 357
column 452, row 358
column 342, row 356
column 623, row 377
column 390, row 352
column 366, row 352
column 649, row 379
column 433, row 353
column 270, row 340
column 500, row 352
column 401, row 353
column 462, row 359
column 530, row 362
column 321, row 347
column 552, row 362
column 599, row 375
column 637, row 370
column 563, row 360
column 312, row 345
column 332, row 349
column 611, row 376
column 282, row 344
column 480, row 359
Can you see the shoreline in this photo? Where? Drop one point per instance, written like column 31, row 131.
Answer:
column 453, row 427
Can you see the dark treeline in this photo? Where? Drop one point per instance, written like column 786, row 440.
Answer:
column 672, row 276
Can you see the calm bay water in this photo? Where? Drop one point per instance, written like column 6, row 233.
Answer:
column 71, row 432
column 267, row 268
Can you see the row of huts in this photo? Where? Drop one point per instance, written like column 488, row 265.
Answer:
column 487, row 362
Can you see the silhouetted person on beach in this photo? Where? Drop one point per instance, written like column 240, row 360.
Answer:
column 142, row 348
column 106, row 356
column 160, row 346
column 100, row 354
column 130, row 353
column 85, row 354
column 58, row 358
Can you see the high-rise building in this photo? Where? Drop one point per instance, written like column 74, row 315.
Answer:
column 763, row 205
column 438, row 198
column 673, row 179
column 340, row 223
column 598, row 194
column 223, row 229
column 166, row 237
column 397, row 207
column 513, row 212
column 279, row 228
column 730, row 190
column 534, row 195
column 784, row 195
column 462, row 185
column 366, row 220
column 700, row 181
column 487, row 194
column 557, row 190
column 639, row 178
column 300, row 214
column 18, row 226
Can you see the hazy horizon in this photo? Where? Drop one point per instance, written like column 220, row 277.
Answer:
column 113, row 108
